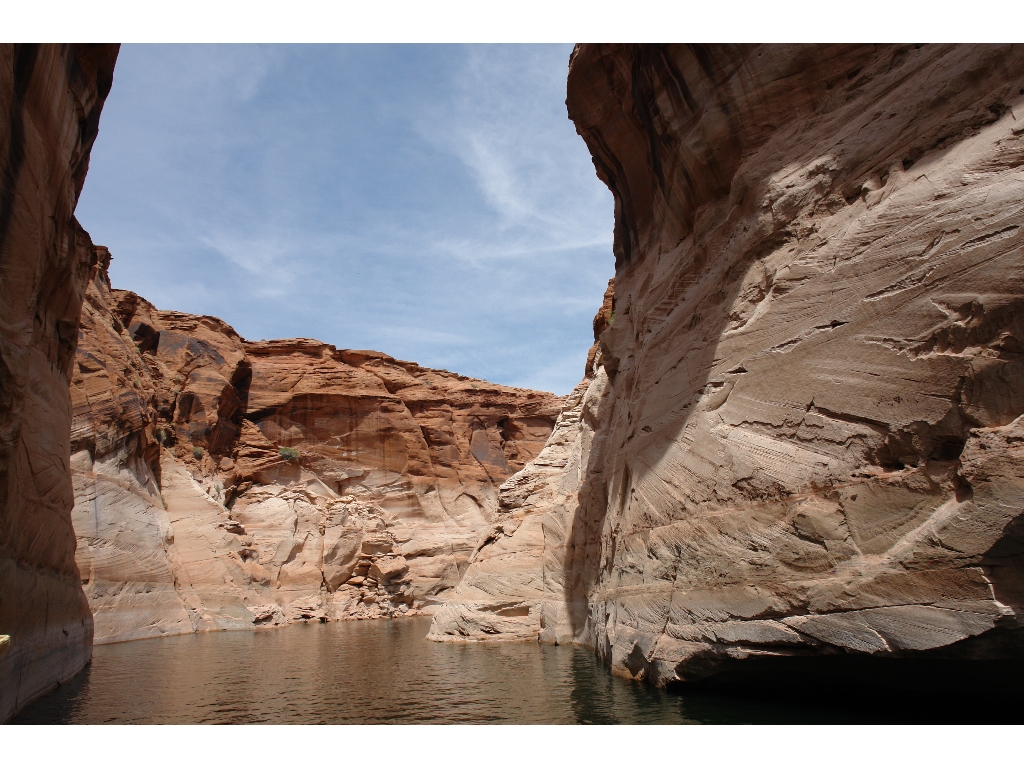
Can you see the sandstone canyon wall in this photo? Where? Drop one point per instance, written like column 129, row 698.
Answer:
column 226, row 484
column 801, row 432
column 50, row 102
column 514, row 586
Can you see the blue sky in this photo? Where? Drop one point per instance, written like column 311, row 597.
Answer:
column 433, row 202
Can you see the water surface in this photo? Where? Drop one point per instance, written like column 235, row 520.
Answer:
column 377, row 672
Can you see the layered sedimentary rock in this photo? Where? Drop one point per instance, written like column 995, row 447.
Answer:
column 50, row 102
column 513, row 584
column 802, row 433
column 226, row 484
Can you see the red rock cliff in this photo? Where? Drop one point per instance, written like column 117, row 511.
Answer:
column 50, row 102
column 223, row 484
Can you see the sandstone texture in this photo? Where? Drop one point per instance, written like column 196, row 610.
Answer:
column 513, row 585
column 226, row 484
column 801, row 432
column 50, row 102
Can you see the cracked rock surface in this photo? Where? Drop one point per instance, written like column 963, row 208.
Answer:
column 801, row 430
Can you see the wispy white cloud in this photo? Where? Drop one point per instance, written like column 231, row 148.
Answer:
column 273, row 256
column 508, row 125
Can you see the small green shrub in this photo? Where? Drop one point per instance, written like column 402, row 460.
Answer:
column 197, row 453
column 163, row 435
column 611, row 320
column 289, row 453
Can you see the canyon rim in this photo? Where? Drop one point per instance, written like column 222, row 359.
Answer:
column 798, row 434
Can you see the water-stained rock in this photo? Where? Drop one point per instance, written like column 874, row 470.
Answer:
column 50, row 102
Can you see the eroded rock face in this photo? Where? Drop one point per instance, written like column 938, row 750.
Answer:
column 514, row 583
column 803, row 427
column 226, row 484
column 50, row 102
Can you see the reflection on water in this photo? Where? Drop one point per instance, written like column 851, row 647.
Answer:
column 370, row 672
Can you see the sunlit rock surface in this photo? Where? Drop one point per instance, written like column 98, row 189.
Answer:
column 801, row 431
column 514, row 583
column 226, row 484
column 50, row 102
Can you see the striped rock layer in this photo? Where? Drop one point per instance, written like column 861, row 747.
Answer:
column 801, row 432
column 50, row 102
column 227, row 484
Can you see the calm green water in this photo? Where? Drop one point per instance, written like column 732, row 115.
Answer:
column 373, row 672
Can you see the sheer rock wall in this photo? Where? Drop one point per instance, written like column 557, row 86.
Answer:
column 50, row 102
column 226, row 484
column 802, row 435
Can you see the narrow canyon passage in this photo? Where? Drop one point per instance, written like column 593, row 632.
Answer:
column 796, row 453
